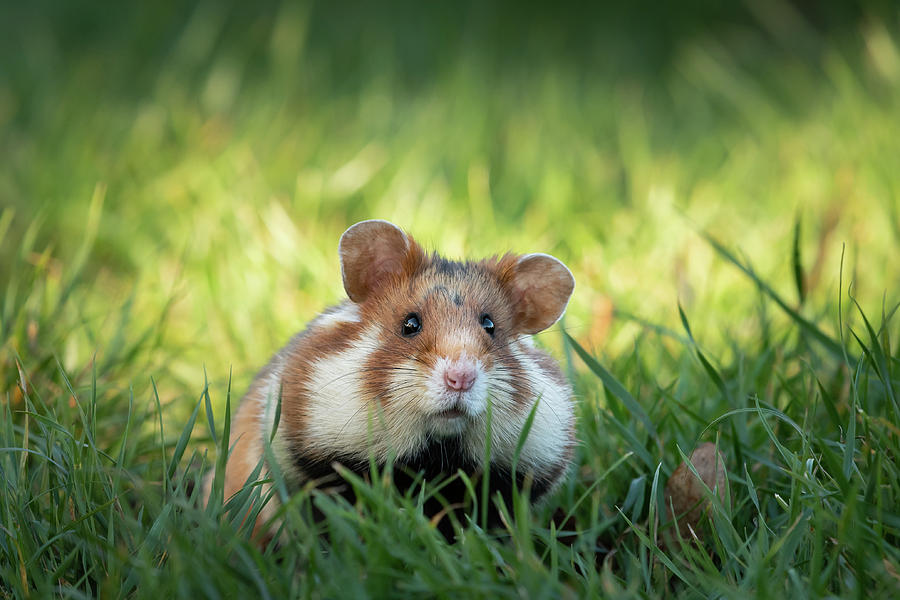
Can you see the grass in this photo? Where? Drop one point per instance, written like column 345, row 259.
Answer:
column 174, row 185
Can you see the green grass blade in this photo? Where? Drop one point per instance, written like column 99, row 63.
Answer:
column 707, row 366
column 612, row 384
column 833, row 346
column 797, row 262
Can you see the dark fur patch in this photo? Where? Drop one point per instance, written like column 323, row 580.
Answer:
column 452, row 297
column 448, row 267
column 438, row 461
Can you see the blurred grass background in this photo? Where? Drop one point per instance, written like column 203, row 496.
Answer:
column 174, row 177
column 231, row 145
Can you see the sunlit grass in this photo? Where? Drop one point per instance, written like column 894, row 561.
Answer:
column 170, row 215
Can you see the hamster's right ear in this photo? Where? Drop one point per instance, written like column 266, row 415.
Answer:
column 374, row 253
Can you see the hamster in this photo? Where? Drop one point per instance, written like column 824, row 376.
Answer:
column 404, row 369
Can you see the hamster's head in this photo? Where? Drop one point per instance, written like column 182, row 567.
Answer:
column 445, row 332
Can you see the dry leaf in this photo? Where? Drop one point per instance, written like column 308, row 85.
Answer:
column 685, row 496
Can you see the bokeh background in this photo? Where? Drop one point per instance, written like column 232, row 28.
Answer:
column 196, row 162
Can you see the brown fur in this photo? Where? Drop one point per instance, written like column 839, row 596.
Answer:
column 312, row 345
column 480, row 286
column 387, row 276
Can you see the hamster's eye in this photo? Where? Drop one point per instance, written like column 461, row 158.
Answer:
column 488, row 324
column 411, row 325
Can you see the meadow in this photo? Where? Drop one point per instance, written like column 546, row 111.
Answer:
column 722, row 181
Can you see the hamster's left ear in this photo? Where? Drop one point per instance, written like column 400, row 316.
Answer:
column 540, row 288
column 374, row 253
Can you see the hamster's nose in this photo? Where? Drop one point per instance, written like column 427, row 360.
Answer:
column 460, row 376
